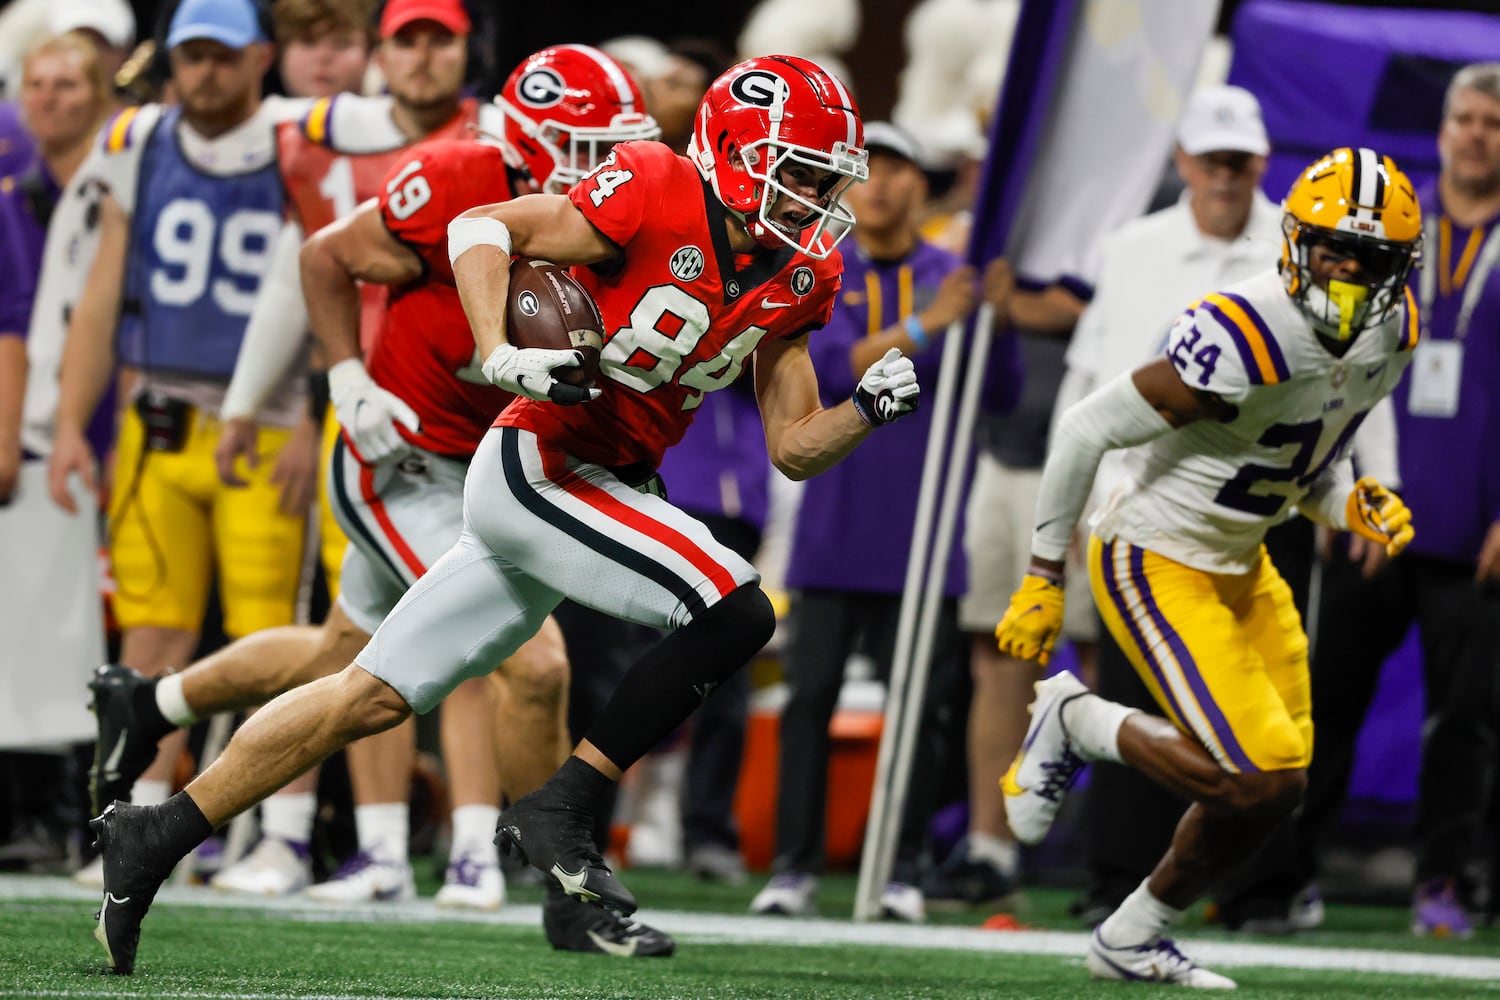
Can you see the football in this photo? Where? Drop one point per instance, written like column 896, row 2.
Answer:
column 547, row 309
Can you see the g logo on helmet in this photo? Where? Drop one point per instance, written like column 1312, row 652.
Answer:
column 527, row 303
column 757, row 87
column 541, row 88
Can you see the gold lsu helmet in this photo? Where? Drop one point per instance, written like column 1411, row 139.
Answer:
column 1356, row 204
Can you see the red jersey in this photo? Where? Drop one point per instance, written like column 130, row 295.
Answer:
column 326, row 179
column 682, row 314
column 426, row 353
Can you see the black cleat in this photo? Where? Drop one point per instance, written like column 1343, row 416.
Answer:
column 135, row 866
column 573, row 925
column 962, row 882
column 557, row 841
column 125, row 747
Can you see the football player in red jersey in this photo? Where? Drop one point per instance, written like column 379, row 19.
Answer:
column 335, row 157
column 421, row 407
column 697, row 262
column 331, row 158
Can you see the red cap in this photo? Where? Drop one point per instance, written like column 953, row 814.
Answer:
column 399, row 13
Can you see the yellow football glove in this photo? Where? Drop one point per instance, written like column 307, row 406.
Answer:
column 1033, row 621
column 1379, row 515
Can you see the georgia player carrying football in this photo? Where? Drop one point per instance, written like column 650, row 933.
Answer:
column 412, row 416
column 1248, row 414
column 697, row 262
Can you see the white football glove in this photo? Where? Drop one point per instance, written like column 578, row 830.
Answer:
column 888, row 391
column 528, row 372
column 369, row 414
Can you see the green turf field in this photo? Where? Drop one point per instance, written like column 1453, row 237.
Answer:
column 198, row 944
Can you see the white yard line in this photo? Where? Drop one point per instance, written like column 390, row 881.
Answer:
column 715, row 927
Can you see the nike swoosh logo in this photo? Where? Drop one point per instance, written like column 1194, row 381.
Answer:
column 573, row 882
column 110, row 897
column 626, row 950
column 1372, row 372
column 767, row 303
column 1008, row 784
column 112, row 762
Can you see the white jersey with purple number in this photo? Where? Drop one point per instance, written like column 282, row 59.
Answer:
column 1204, row 495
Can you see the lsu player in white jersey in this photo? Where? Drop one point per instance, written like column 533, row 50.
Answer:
column 1246, row 417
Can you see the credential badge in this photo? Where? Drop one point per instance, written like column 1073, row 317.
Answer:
column 687, row 263
column 802, row 281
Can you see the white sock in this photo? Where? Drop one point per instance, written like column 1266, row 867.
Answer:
column 1001, row 854
column 474, row 831
column 1093, row 726
column 289, row 816
column 1140, row 919
column 149, row 793
column 171, row 702
column 383, row 830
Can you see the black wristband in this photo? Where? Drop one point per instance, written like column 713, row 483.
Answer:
column 317, row 395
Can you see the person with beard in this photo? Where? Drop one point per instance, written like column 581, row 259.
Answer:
column 192, row 203
column 332, row 159
column 1448, row 583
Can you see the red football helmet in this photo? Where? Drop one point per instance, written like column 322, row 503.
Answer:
column 764, row 114
column 565, row 108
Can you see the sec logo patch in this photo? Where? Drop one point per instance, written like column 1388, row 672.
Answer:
column 687, row 263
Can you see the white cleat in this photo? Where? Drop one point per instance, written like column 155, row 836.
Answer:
column 790, row 894
column 1046, row 766
column 1156, row 961
column 91, row 875
column 272, row 868
column 365, row 878
column 473, row 882
column 899, row 901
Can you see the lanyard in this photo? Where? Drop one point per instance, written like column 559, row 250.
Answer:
column 1473, row 284
column 873, row 298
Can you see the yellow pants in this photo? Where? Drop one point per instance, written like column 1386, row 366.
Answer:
column 331, row 538
column 1223, row 655
column 173, row 523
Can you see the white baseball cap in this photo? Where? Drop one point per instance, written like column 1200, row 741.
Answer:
column 887, row 138
column 1222, row 118
column 112, row 19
